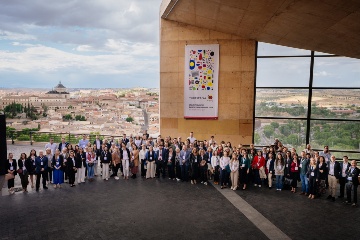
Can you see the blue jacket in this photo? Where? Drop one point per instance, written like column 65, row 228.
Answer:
column 41, row 163
column 153, row 157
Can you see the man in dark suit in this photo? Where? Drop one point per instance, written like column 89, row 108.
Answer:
column 161, row 161
column 98, row 143
column 342, row 178
column 352, row 177
column 333, row 176
column 63, row 144
column 125, row 140
column 41, row 165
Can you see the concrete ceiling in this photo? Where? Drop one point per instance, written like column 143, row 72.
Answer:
column 330, row 26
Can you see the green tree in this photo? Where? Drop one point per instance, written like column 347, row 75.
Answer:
column 268, row 131
column 80, row 118
column 129, row 119
column 68, row 117
column 274, row 124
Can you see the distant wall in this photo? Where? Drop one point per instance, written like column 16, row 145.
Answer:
column 236, row 84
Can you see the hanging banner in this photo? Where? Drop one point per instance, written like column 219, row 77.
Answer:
column 201, row 81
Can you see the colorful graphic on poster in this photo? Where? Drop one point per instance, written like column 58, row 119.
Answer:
column 201, row 81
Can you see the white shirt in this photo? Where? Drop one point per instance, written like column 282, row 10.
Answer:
column 52, row 146
column 215, row 161
column 142, row 154
column 192, row 139
column 234, row 165
column 344, row 169
column 125, row 155
column 224, row 161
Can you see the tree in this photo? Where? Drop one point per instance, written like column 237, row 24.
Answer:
column 129, row 119
column 268, row 131
column 80, row 118
column 274, row 124
column 68, row 117
column 70, row 107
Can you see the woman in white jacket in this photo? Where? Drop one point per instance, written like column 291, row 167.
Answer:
column 279, row 167
column 234, row 174
column 142, row 155
column 215, row 161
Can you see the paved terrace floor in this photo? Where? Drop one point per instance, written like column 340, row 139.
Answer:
column 165, row 209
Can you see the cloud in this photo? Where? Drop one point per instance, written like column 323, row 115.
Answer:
column 321, row 74
column 42, row 41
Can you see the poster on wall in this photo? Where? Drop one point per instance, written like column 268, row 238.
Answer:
column 201, row 81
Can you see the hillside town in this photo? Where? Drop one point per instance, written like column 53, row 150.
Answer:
column 84, row 111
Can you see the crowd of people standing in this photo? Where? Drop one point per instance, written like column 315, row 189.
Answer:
column 187, row 161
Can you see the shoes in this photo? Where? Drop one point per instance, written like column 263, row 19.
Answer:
column 302, row 193
column 329, row 197
column 192, row 182
column 116, row 178
column 234, row 188
column 347, row 203
column 333, row 199
column 54, row 186
column 222, row 187
column 354, row 205
column 255, row 185
column 106, row 179
column 231, row 188
column 259, row 185
column 270, row 187
column 205, row 183
column 202, row 182
column 45, row 187
column 340, row 196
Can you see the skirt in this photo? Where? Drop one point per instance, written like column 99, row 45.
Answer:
column 134, row 170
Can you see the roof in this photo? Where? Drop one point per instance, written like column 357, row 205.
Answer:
column 60, row 85
column 330, row 26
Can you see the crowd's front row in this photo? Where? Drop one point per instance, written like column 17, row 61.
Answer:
column 228, row 166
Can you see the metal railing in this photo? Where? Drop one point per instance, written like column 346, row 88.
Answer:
column 41, row 137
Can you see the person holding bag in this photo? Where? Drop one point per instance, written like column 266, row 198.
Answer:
column 23, row 172
column 11, row 172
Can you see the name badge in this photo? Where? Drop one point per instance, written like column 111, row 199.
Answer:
column 349, row 178
column 105, row 158
column 312, row 174
column 184, row 157
column 34, row 163
column 242, row 165
column 42, row 163
column 287, row 165
column 296, row 168
column 196, row 160
column 11, row 168
column 300, row 165
column 150, row 158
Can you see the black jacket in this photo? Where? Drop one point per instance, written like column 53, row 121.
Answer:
column 322, row 176
column 106, row 155
column 354, row 175
column 21, row 165
column 61, row 161
column 13, row 164
column 80, row 160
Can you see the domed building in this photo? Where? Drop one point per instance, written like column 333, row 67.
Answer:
column 59, row 91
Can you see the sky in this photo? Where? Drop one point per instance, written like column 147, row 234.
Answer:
column 90, row 44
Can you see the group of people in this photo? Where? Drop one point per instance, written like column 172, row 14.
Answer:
column 188, row 160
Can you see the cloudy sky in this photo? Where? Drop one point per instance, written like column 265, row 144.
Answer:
column 92, row 43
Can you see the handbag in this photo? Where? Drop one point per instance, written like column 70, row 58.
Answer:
column 9, row 176
column 287, row 181
column 20, row 171
column 131, row 164
column 91, row 164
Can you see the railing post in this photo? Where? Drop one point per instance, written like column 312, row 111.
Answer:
column 69, row 138
column 31, row 142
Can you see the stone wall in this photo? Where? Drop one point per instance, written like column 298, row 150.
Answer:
column 236, row 84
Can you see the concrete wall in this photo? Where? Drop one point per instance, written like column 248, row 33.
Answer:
column 236, row 84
